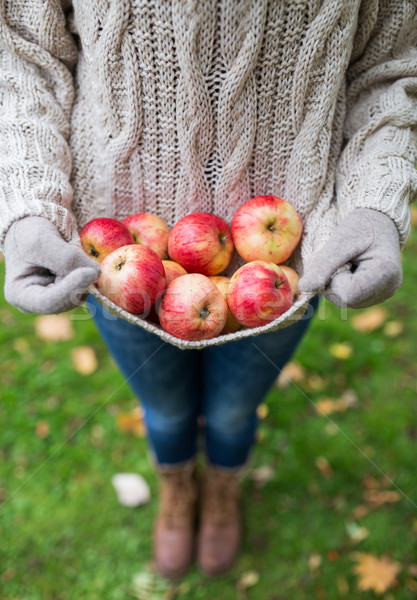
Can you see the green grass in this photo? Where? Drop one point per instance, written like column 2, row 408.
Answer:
column 64, row 536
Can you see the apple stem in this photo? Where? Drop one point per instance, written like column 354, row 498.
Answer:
column 279, row 284
column 204, row 312
column 93, row 252
column 120, row 264
column 223, row 238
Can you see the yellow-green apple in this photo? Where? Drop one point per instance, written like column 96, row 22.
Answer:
column 99, row 237
column 258, row 293
column 293, row 278
column 222, row 283
column 172, row 270
column 202, row 243
column 192, row 308
column 149, row 230
column 132, row 277
column 266, row 228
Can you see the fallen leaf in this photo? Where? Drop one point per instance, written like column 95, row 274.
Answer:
column 412, row 570
column 370, row 320
column 380, row 497
column 324, row 466
column 247, row 580
column 393, row 328
column 333, row 555
column 411, row 585
column 360, row 511
column 132, row 422
column 292, row 372
column 370, row 483
column 84, row 360
column 262, row 411
column 356, row 533
column 314, row 563
column 262, row 475
column 377, row 574
column 42, row 429
column 341, row 351
column 149, row 586
column 326, row 406
column 131, row 489
column 316, row 382
column 54, row 328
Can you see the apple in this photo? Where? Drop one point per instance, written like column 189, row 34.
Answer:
column 132, row 277
column 149, row 230
column 258, row 293
column 222, row 284
column 192, row 308
column 172, row 270
column 293, row 279
column 99, row 237
column 201, row 243
column 266, row 228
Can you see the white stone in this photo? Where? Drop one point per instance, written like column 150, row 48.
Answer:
column 131, row 489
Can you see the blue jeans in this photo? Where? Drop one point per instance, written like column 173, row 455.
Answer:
column 223, row 384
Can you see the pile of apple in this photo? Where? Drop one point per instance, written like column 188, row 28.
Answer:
column 186, row 294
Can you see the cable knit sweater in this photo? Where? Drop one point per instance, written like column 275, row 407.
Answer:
column 111, row 108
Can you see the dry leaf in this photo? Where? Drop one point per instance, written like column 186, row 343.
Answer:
column 292, row 372
column 342, row 585
column 380, row 497
column 262, row 411
column 393, row 328
column 132, row 422
column 84, row 360
column 412, row 570
column 131, row 489
column 324, row 466
column 377, row 574
column 21, row 345
column 370, row 320
column 54, row 328
column 341, row 351
column 262, row 475
column 247, row 580
column 370, row 483
column 314, row 563
column 326, row 406
column 42, row 429
column 355, row 532
column 316, row 382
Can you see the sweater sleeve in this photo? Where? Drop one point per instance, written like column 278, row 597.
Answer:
column 37, row 58
column 377, row 165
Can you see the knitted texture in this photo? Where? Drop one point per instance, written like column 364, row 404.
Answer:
column 111, row 108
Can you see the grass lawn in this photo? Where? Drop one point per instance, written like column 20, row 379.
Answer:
column 326, row 493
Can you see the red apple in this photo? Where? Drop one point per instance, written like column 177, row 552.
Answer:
column 222, row 284
column 266, row 228
column 149, row 230
column 258, row 293
column 99, row 237
column 132, row 277
column 192, row 308
column 293, row 278
column 201, row 243
column 172, row 270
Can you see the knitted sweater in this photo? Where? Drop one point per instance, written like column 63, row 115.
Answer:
column 111, row 108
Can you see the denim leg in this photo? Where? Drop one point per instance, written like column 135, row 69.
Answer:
column 237, row 377
column 167, row 381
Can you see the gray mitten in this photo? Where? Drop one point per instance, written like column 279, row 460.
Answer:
column 44, row 274
column 366, row 242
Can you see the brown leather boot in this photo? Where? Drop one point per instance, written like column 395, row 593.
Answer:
column 174, row 533
column 220, row 520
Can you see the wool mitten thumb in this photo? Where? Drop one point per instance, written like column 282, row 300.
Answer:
column 44, row 273
column 360, row 265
